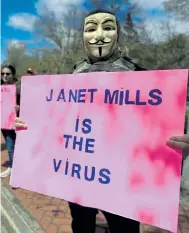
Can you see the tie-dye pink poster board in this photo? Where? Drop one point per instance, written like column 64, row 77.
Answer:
column 8, row 103
column 99, row 140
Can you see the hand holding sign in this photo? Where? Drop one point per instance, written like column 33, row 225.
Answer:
column 180, row 142
column 20, row 124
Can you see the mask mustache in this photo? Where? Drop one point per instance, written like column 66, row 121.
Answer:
column 105, row 41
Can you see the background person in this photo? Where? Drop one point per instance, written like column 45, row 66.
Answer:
column 30, row 71
column 8, row 77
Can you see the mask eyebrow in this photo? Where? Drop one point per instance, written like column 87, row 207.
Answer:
column 90, row 21
column 108, row 21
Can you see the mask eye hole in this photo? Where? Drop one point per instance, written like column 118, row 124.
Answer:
column 90, row 30
column 108, row 28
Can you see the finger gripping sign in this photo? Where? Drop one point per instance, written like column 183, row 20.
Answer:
column 99, row 140
column 8, row 103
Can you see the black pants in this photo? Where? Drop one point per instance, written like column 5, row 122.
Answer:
column 84, row 221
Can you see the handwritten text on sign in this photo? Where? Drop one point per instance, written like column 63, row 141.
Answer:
column 99, row 140
column 8, row 103
column 87, row 144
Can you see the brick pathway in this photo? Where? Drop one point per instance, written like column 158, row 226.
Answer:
column 54, row 216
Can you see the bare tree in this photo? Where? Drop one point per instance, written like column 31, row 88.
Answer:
column 16, row 53
column 178, row 7
column 63, row 32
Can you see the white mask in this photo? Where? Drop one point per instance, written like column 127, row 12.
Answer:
column 100, row 35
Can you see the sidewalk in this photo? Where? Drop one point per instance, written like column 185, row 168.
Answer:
column 53, row 215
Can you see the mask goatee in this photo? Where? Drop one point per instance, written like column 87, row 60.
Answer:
column 100, row 51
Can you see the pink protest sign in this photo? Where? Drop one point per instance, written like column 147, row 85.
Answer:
column 8, row 103
column 99, row 140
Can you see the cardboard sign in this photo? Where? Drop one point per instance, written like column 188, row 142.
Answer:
column 8, row 103
column 99, row 140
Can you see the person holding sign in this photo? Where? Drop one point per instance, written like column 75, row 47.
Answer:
column 8, row 74
column 100, row 38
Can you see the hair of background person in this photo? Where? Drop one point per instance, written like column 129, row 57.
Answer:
column 11, row 68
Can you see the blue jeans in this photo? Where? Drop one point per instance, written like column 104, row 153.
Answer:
column 10, row 138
